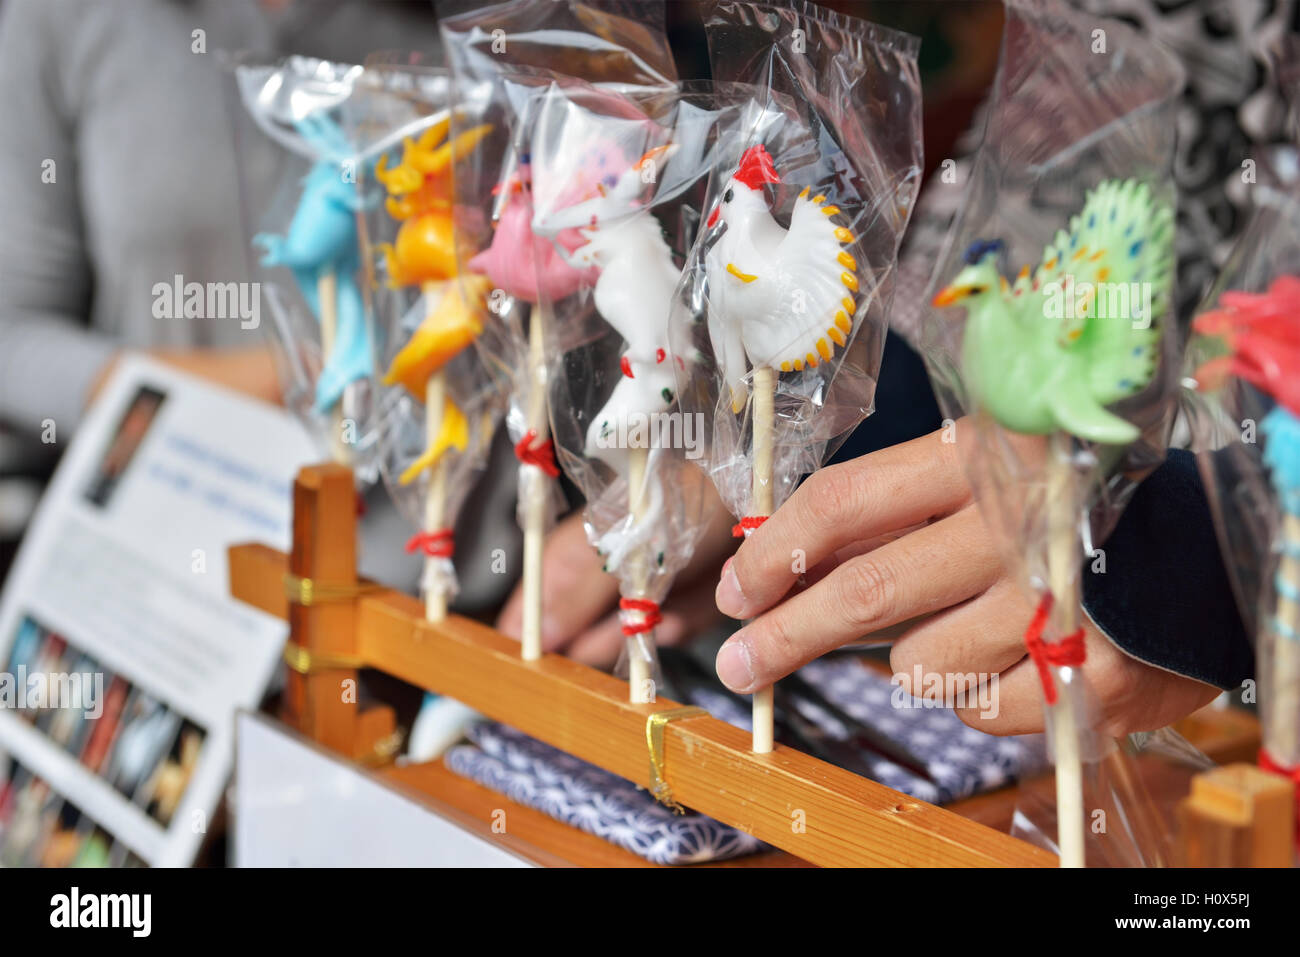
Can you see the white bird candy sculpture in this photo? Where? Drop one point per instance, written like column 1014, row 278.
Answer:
column 633, row 293
column 777, row 298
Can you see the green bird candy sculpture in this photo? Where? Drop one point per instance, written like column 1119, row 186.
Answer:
column 1080, row 331
column 1045, row 355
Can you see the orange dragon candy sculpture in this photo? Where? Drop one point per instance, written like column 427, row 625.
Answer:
column 424, row 253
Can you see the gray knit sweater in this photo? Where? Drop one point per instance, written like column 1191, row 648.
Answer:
column 118, row 171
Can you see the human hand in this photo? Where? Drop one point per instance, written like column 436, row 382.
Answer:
column 580, row 601
column 889, row 538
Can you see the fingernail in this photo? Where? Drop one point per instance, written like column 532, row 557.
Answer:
column 733, row 665
column 729, row 598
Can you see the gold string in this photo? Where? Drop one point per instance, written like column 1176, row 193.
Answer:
column 308, row 591
column 654, row 736
column 306, row 662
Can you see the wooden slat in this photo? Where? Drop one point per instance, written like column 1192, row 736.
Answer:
column 816, row 811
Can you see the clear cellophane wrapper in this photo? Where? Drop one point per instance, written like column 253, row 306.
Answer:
column 1245, row 429
column 498, row 57
column 619, row 186
column 1060, row 123
column 317, row 111
column 403, row 436
column 418, row 102
column 1128, row 824
column 836, row 104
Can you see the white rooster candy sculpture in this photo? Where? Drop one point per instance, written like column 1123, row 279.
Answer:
column 777, row 298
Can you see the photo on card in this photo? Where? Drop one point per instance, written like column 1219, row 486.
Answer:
column 64, row 839
column 100, row 741
column 71, row 718
column 124, row 442
column 148, row 729
column 9, row 771
column 93, row 850
column 52, row 660
column 165, row 789
column 35, row 810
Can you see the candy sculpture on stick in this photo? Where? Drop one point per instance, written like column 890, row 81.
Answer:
column 321, row 250
column 756, row 271
column 424, row 254
column 636, row 278
column 782, row 315
column 498, row 56
column 525, row 270
column 1262, row 334
column 1039, row 370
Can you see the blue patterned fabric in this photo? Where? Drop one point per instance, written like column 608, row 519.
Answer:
column 587, row 797
column 961, row 760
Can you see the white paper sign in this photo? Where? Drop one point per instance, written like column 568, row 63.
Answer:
column 123, row 658
column 297, row 806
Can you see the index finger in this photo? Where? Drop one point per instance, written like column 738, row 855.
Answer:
column 882, row 492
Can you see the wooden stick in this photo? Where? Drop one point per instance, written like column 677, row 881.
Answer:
column 640, row 688
column 535, row 505
column 764, row 427
column 1282, row 714
column 1062, row 563
column 327, row 296
column 435, row 502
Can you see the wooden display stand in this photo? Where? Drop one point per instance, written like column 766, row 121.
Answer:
column 815, row 812
column 1238, row 816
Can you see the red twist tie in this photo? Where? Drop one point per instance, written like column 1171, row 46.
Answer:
column 650, row 615
column 746, row 525
column 1069, row 652
column 438, row 544
column 541, row 456
column 1267, row 763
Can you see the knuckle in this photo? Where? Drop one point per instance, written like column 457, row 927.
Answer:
column 775, row 648
column 833, row 494
column 870, row 590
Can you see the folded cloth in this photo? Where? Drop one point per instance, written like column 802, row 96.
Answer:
column 587, row 797
column 961, row 760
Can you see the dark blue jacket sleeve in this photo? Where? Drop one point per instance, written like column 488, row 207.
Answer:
column 1164, row 597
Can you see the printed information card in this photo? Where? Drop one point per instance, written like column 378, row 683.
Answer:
column 123, row 659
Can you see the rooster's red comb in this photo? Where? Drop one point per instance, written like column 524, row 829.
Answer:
column 756, row 168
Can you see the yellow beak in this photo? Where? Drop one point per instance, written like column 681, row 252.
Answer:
column 949, row 295
column 742, row 276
